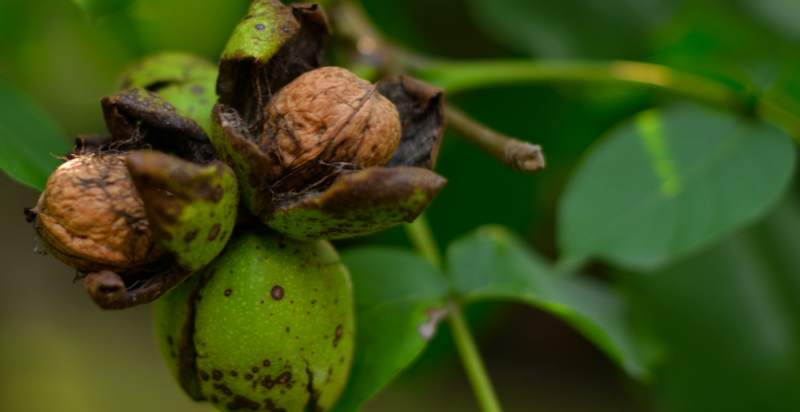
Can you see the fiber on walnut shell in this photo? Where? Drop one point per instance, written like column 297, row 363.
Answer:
column 329, row 116
column 91, row 217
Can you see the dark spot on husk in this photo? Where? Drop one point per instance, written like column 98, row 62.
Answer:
column 338, row 335
column 214, row 232
column 277, row 292
column 228, row 292
column 216, row 375
column 260, row 27
column 223, row 388
column 239, row 402
column 187, row 355
column 190, row 236
column 284, row 379
column 312, row 405
column 270, row 406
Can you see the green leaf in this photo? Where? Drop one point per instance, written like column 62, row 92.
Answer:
column 199, row 27
column 729, row 321
column 570, row 27
column 669, row 182
column 493, row 264
column 30, row 142
column 398, row 297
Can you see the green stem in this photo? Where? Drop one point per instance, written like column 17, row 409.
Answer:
column 471, row 358
column 455, row 76
column 419, row 232
column 460, row 76
column 515, row 153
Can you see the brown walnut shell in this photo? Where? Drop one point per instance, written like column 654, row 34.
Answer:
column 328, row 118
column 91, row 217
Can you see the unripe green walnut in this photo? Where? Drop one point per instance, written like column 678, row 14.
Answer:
column 268, row 326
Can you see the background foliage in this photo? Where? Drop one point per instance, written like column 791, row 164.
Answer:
column 688, row 217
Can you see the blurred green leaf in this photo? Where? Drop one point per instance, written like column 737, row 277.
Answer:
column 194, row 27
column 493, row 264
column 96, row 9
column 669, row 182
column 729, row 320
column 30, row 141
column 571, row 27
column 397, row 295
column 779, row 15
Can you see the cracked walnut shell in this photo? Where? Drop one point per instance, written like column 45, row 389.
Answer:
column 329, row 117
column 91, row 217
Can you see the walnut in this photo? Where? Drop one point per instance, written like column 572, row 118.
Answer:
column 327, row 118
column 91, row 217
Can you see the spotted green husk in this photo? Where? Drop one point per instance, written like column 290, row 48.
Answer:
column 195, row 222
column 268, row 326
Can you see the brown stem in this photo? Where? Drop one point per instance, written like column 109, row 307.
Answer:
column 520, row 155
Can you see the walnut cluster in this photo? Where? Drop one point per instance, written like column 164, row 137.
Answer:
column 91, row 217
column 329, row 117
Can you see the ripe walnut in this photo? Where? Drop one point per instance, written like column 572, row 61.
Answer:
column 329, row 118
column 91, row 217
column 319, row 153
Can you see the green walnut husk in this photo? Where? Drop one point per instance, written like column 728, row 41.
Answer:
column 272, row 47
column 180, row 203
column 197, row 219
column 185, row 81
column 268, row 326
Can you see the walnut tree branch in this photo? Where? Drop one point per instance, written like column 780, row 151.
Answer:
column 520, row 155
